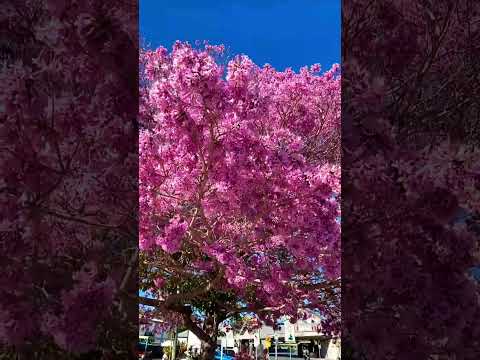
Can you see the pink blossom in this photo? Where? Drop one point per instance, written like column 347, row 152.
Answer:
column 171, row 240
column 239, row 177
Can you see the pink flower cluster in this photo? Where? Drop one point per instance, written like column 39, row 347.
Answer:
column 171, row 241
column 249, row 159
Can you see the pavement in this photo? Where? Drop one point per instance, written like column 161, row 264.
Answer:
column 288, row 358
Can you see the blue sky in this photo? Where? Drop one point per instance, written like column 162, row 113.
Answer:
column 283, row 33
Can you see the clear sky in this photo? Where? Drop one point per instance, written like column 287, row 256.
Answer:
column 283, row 33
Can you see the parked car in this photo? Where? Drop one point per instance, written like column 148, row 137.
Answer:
column 218, row 356
column 229, row 352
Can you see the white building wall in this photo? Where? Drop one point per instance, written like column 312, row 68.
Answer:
column 193, row 341
column 334, row 349
column 230, row 340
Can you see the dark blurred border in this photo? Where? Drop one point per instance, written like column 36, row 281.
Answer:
column 410, row 115
column 69, row 179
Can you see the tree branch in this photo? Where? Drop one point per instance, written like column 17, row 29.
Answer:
column 193, row 327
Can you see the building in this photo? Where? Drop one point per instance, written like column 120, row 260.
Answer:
column 167, row 338
column 294, row 338
column 149, row 330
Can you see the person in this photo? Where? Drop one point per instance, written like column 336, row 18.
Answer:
column 306, row 354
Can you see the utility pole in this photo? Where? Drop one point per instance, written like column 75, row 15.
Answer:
column 223, row 344
column 256, row 343
column 175, row 339
column 146, row 345
column 275, row 337
column 174, row 344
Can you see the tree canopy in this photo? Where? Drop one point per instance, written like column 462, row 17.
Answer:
column 239, row 189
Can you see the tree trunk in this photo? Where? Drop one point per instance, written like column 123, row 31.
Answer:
column 211, row 345
column 209, row 351
column 206, row 333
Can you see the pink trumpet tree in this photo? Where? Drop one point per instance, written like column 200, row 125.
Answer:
column 239, row 190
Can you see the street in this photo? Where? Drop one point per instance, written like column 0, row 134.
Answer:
column 296, row 358
column 293, row 358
